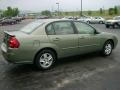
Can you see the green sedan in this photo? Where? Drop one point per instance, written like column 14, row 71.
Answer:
column 42, row 42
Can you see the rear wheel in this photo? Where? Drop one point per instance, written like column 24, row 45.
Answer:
column 107, row 48
column 12, row 23
column 45, row 59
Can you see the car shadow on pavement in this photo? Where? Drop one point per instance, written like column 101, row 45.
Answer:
column 28, row 77
column 61, row 63
column 78, row 58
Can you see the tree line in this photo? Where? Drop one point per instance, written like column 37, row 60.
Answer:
column 101, row 11
column 110, row 11
column 10, row 12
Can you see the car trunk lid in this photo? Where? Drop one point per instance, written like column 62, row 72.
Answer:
column 9, row 35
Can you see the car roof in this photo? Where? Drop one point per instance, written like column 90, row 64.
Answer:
column 52, row 20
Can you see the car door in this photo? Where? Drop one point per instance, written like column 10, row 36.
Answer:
column 88, row 40
column 93, row 20
column 96, row 19
column 62, row 35
column 118, row 18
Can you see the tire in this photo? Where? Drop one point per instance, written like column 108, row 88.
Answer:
column 15, row 22
column 2, row 24
column 88, row 22
column 115, row 25
column 101, row 22
column 45, row 59
column 107, row 48
column 12, row 23
column 107, row 26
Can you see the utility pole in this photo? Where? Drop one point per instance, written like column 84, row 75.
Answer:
column 58, row 8
column 81, row 9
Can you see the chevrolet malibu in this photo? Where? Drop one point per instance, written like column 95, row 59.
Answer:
column 43, row 42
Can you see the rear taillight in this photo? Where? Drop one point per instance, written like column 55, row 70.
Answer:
column 13, row 42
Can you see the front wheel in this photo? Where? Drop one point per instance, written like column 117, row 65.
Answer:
column 107, row 48
column 88, row 22
column 12, row 23
column 45, row 59
column 101, row 22
column 107, row 26
column 115, row 25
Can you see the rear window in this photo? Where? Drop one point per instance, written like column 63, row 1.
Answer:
column 32, row 26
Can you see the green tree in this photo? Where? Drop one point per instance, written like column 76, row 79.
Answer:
column 15, row 12
column 8, row 12
column 111, row 11
column 46, row 12
column 0, row 13
column 115, row 10
column 11, row 12
column 101, row 11
column 89, row 12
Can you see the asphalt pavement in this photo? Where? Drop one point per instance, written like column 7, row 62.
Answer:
column 84, row 72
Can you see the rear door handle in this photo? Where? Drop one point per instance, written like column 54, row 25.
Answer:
column 82, row 37
column 56, row 39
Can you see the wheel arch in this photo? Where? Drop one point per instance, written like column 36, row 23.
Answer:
column 112, row 41
column 46, row 48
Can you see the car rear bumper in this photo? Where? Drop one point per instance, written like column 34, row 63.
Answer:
column 9, row 56
column 12, row 56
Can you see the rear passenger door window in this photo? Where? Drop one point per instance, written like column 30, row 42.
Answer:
column 63, row 28
column 50, row 30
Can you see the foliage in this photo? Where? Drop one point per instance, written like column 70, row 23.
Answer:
column 115, row 10
column 46, row 13
column 10, row 12
column 111, row 11
column 89, row 12
column 101, row 11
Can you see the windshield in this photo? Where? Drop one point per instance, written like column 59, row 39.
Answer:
column 32, row 26
column 116, row 18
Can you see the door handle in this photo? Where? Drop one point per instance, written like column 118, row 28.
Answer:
column 81, row 37
column 56, row 39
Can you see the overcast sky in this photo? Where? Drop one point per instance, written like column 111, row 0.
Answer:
column 65, row 5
